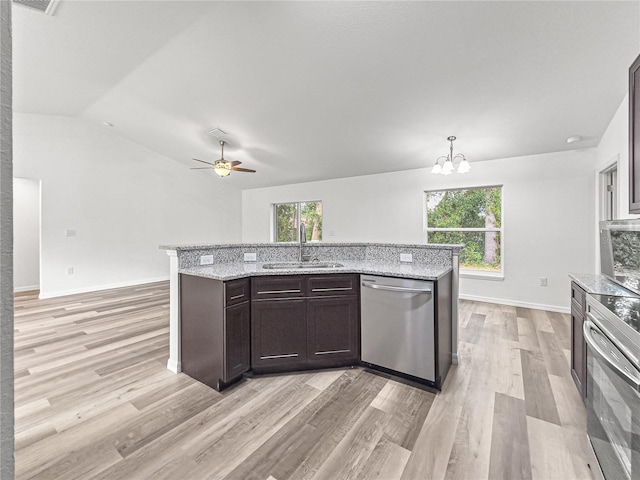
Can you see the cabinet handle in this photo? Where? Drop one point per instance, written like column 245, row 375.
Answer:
column 290, row 355
column 277, row 291
column 332, row 351
column 336, row 289
column 235, row 297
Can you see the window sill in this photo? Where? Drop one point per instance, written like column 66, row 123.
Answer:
column 308, row 242
column 479, row 275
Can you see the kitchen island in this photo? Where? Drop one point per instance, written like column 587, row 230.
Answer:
column 226, row 266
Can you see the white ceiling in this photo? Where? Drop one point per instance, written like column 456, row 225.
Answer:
column 319, row 90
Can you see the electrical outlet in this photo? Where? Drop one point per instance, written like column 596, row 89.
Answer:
column 406, row 257
column 69, row 270
column 206, row 260
column 250, row 257
column 70, row 233
column 543, row 281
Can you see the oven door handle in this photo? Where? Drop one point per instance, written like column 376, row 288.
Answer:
column 589, row 326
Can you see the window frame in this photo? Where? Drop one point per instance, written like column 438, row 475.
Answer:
column 470, row 272
column 274, row 220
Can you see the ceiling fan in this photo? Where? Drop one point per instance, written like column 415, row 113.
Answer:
column 223, row 167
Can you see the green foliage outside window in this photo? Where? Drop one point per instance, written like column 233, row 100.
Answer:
column 288, row 217
column 479, row 209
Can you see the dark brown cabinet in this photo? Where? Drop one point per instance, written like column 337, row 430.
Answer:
column 304, row 321
column 332, row 330
column 578, row 345
column 279, row 333
column 215, row 335
column 634, row 137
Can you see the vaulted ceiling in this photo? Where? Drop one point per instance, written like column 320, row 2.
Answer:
column 320, row 90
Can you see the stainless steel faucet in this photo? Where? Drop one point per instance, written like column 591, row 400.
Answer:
column 302, row 240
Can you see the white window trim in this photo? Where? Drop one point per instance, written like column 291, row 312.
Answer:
column 465, row 272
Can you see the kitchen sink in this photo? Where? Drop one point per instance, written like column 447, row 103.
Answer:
column 301, row 265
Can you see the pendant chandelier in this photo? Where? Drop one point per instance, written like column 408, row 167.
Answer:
column 447, row 167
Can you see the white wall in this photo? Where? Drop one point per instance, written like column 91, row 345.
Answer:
column 123, row 200
column 613, row 148
column 26, row 234
column 548, row 218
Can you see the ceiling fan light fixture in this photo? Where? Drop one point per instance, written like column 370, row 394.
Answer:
column 222, row 168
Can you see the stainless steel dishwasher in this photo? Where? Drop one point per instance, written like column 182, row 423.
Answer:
column 397, row 319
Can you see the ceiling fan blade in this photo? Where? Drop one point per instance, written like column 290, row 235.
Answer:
column 235, row 162
column 236, row 169
column 200, row 168
column 201, row 161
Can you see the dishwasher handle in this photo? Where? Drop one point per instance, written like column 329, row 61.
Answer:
column 392, row 288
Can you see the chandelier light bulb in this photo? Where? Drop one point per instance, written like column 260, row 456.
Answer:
column 436, row 168
column 447, row 168
column 464, row 166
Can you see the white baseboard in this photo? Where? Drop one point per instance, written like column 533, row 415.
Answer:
column 515, row 303
column 95, row 288
column 26, row 289
column 174, row 366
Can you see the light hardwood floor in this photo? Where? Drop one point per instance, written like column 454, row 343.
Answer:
column 94, row 401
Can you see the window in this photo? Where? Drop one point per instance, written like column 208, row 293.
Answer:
column 287, row 218
column 472, row 217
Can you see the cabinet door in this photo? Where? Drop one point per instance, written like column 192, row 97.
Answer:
column 278, row 334
column 237, row 340
column 578, row 351
column 332, row 330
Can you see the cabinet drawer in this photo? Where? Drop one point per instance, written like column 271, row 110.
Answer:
column 578, row 296
column 332, row 284
column 236, row 291
column 278, row 286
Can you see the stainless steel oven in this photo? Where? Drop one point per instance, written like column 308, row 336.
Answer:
column 612, row 334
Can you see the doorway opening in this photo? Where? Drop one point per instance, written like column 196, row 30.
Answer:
column 26, row 234
column 609, row 193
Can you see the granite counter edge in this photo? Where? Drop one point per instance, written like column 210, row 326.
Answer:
column 199, row 272
column 439, row 246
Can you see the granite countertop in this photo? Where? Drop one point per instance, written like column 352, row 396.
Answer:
column 231, row 271
column 202, row 246
column 600, row 285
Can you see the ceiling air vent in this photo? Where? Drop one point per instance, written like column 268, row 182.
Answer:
column 45, row 6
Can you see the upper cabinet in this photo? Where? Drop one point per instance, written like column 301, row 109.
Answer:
column 634, row 137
